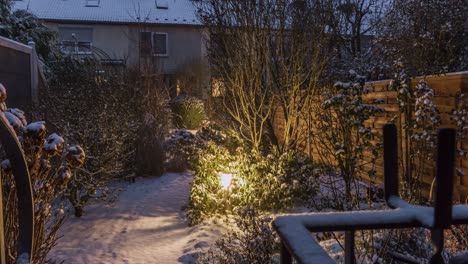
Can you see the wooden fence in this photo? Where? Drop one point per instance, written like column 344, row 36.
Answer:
column 447, row 89
column 20, row 72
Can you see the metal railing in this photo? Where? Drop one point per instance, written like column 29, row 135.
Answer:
column 295, row 230
column 14, row 153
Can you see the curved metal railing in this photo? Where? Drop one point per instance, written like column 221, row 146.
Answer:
column 294, row 230
column 15, row 154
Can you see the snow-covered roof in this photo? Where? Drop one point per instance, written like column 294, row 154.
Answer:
column 174, row 12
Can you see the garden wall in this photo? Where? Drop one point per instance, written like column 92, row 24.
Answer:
column 446, row 90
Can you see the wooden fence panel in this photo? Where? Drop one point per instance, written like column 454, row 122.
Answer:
column 446, row 90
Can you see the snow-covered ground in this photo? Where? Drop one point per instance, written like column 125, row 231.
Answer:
column 145, row 225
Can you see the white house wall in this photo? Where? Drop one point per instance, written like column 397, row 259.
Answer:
column 121, row 42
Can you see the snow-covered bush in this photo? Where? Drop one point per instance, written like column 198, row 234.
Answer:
column 179, row 150
column 189, row 112
column 182, row 148
column 418, row 128
column 459, row 120
column 105, row 109
column 52, row 165
column 342, row 137
column 22, row 26
column 255, row 243
column 268, row 182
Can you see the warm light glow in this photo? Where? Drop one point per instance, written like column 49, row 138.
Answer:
column 226, row 179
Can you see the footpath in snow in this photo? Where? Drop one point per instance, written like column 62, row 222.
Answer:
column 145, row 225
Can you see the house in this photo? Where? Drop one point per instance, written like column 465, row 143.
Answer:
column 165, row 34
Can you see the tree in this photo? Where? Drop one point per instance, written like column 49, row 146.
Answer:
column 270, row 55
column 427, row 37
column 353, row 25
column 22, row 26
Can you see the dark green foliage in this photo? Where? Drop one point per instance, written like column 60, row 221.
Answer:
column 270, row 181
column 189, row 112
column 24, row 27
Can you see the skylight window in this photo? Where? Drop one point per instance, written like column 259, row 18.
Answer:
column 162, row 4
column 92, row 3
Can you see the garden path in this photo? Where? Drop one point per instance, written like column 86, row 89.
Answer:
column 145, row 225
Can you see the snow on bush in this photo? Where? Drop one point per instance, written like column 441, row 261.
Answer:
column 419, row 129
column 180, row 150
column 51, row 165
column 342, row 136
column 255, row 242
column 268, row 181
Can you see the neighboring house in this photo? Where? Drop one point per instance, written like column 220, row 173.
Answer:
column 163, row 33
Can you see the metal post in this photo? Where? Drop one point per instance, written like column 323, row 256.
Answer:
column 444, row 178
column 390, row 161
column 286, row 257
column 437, row 238
column 446, row 145
column 349, row 247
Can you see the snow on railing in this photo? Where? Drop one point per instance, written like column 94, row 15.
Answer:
column 298, row 243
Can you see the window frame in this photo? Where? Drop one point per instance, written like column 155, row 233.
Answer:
column 92, row 3
column 167, row 44
column 76, row 47
column 74, row 42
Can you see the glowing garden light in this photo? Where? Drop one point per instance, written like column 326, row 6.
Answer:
column 226, row 179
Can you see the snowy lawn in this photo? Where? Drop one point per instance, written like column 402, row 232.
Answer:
column 145, row 225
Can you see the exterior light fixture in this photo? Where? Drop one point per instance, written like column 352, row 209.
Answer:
column 226, row 179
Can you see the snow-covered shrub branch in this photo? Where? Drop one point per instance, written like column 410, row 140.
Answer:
column 460, row 121
column 341, row 137
column 52, row 165
column 417, row 121
column 180, row 150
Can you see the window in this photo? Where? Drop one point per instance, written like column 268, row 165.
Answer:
column 154, row 44
column 162, row 4
column 76, row 40
column 93, row 3
column 159, row 44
